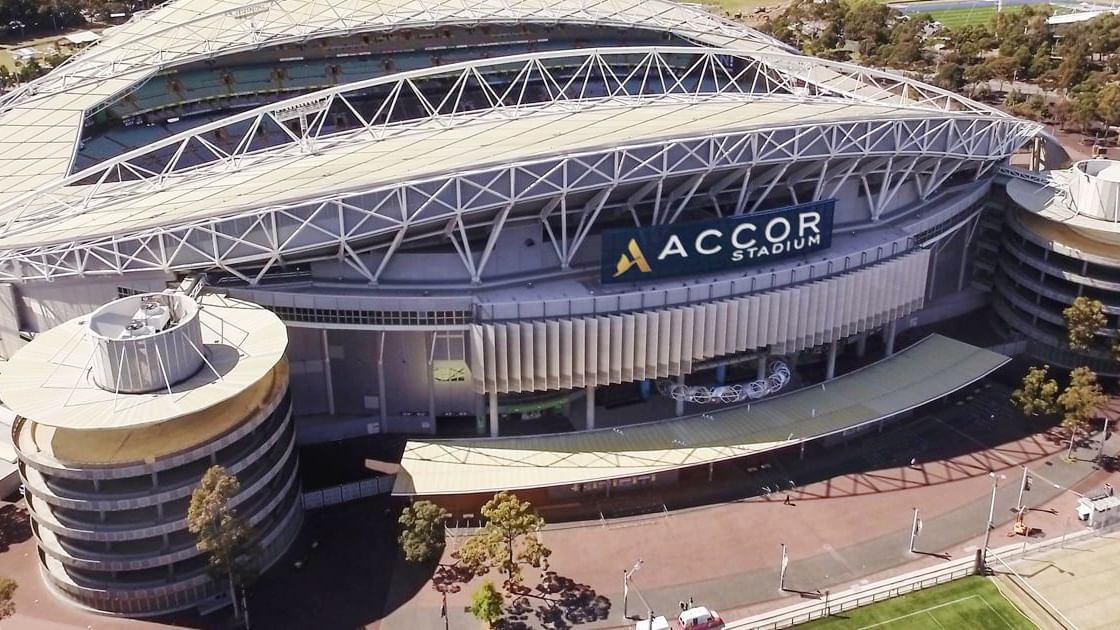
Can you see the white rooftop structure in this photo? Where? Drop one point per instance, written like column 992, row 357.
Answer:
column 1084, row 197
column 51, row 381
column 81, row 37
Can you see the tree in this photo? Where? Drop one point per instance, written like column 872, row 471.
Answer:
column 1002, row 68
column 487, row 604
column 508, row 540
column 868, row 23
column 1038, row 395
column 1080, row 401
column 1084, row 319
column 950, row 77
column 1083, row 110
column 219, row 531
column 1108, row 104
column 422, row 532
column 7, row 597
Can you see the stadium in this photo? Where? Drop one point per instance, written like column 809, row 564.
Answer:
column 581, row 237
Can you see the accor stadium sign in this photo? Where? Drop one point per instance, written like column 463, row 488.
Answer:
column 659, row 251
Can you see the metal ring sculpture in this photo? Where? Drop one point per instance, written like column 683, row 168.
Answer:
column 779, row 377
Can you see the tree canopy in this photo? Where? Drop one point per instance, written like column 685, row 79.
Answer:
column 487, row 603
column 1081, row 399
column 8, row 588
column 508, row 540
column 1084, row 319
column 422, row 531
column 219, row 531
column 1079, row 60
column 1038, row 394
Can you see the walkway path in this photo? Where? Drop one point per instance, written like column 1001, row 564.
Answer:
column 859, row 534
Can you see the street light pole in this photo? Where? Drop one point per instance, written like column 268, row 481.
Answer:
column 991, row 519
column 914, row 530
column 626, row 575
column 782, row 575
column 1104, row 436
column 1022, row 488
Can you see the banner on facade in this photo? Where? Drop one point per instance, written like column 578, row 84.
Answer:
column 660, row 251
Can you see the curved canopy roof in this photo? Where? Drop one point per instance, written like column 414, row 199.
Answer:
column 924, row 372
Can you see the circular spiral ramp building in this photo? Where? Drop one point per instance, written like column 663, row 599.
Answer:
column 1063, row 242
column 119, row 415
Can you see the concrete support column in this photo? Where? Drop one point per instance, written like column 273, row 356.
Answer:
column 932, row 272
column 589, row 415
column 493, row 414
column 381, row 401
column 964, row 260
column 861, row 345
column 327, row 378
column 480, row 414
column 761, row 366
column 432, row 385
column 678, row 405
column 830, row 368
column 888, row 336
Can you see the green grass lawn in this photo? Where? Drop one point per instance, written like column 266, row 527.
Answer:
column 971, row 602
column 953, row 18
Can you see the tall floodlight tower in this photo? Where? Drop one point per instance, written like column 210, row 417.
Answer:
column 119, row 415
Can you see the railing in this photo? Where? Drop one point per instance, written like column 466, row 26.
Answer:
column 1018, row 173
column 859, row 596
column 863, row 595
column 344, row 493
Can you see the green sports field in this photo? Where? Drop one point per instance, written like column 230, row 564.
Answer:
column 954, row 18
column 971, row 602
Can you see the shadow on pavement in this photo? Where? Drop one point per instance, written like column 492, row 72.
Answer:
column 15, row 526
column 351, row 571
column 557, row 603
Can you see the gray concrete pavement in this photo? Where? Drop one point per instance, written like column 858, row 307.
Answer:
column 1079, row 580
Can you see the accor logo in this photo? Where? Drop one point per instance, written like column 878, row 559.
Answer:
column 635, row 259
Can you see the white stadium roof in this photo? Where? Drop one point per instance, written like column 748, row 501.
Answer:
column 52, row 222
column 51, row 109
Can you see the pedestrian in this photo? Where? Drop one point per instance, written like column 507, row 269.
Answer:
column 786, row 502
column 1108, row 489
column 683, row 606
column 913, row 462
column 690, row 604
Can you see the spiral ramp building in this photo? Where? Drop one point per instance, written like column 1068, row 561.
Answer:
column 119, row 415
column 1062, row 242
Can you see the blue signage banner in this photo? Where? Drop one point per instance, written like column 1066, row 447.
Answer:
column 661, row 251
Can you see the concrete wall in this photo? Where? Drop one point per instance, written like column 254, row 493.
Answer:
column 305, row 356
column 44, row 305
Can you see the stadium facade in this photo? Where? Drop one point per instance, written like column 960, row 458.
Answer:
column 470, row 214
